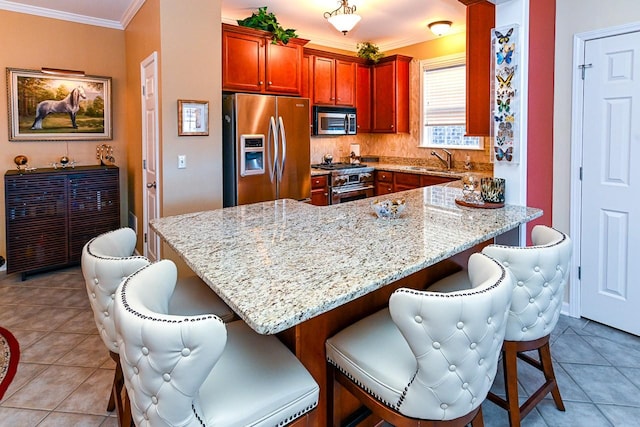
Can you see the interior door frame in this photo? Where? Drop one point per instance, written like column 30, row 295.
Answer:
column 152, row 58
column 577, row 105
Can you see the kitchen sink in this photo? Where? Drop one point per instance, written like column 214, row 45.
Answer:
column 434, row 171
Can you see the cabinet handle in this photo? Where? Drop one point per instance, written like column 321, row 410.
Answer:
column 151, row 184
column 391, row 126
column 270, row 83
column 260, row 82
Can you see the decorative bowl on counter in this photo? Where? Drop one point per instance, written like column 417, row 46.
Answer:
column 388, row 209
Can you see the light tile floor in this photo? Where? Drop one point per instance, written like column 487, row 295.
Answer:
column 65, row 372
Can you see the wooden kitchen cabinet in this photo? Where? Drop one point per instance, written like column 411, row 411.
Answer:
column 480, row 21
column 252, row 63
column 392, row 182
column 427, row 180
column 390, row 95
column 333, row 81
column 405, row 181
column 51, row 214
column 320, row 190
column 363, row 97
column 384, row 183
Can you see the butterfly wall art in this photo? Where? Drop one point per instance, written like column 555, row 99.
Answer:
column 506, row 108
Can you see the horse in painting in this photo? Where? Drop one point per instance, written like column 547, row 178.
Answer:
column 70, row 104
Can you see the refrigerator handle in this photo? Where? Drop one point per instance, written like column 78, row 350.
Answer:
column 273, row 136
column 283, row 138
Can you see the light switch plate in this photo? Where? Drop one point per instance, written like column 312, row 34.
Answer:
column 182, row 161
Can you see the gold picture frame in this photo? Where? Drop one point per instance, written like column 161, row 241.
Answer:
column 58, row 107
column 193, row 118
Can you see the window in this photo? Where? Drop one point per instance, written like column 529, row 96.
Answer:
column 443, row 104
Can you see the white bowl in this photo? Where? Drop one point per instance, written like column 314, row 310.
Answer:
column 389, row 208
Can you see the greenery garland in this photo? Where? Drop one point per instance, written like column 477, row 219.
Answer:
column 267, row 21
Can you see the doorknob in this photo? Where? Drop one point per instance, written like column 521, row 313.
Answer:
column 151, row 184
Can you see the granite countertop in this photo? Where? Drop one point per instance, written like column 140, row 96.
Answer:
column 280, row 263
column 420, row 170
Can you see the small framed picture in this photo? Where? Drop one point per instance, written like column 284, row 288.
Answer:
column 193, row 117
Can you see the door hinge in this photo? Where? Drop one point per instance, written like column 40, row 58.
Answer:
column 144, row 90
column 580, row 173
column 145, row 239
column 583, row 67
column 579, row 272
column 144, row 164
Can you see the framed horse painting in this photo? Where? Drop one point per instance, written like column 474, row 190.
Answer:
column 46, row 107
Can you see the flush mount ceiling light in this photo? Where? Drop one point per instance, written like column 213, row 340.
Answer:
column 440, row 28
column 343, row 18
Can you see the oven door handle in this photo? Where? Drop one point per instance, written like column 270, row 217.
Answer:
column 340, row 190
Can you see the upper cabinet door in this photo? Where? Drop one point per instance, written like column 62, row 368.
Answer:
column 284, row 68
column 323, row 80
column 390, row 98
column 345, row 83
column 363, row 97
column 243, row 62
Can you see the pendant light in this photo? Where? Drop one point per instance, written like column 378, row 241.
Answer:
column 343, row 18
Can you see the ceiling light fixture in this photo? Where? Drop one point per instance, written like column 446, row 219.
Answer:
column 440, row 28
column 343, row 20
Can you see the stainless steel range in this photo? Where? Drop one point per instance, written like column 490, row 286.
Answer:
column 349, row 181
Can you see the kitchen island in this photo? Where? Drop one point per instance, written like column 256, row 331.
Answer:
column 304, row 272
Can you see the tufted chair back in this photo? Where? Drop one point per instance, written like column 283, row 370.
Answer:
column 456, row 340
column 107, row 260
column 540, row 274
column 165, row 358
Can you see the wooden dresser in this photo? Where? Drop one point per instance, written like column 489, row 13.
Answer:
column 51, row 213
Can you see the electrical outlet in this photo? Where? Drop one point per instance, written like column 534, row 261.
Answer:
column 182, row 161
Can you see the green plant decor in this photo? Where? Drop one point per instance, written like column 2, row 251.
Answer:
column 267, row 21
column 369, row 51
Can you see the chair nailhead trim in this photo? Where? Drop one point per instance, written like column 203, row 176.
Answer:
column 126, row 305
column 281, row 423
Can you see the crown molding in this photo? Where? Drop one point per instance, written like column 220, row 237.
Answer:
column 54, row 14
column 130, row 13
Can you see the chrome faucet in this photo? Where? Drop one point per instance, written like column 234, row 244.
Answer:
column 446, row 161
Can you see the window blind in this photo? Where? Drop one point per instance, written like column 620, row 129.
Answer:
column 444, row 85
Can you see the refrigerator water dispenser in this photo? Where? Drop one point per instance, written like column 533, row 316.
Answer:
column 252, row 155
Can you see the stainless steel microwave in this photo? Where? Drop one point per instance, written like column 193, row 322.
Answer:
column 334, row 120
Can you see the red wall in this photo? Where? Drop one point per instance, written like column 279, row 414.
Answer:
column 540, row 109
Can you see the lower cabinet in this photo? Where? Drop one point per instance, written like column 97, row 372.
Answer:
column 392, row 182
column 319, row 190
column 50, row 214
column 406, row 181
column 384, row 183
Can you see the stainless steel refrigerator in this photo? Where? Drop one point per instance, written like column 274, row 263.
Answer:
column 266, row 148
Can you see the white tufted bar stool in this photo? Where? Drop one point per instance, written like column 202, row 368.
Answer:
column 430, row 358
column 106, row 261
column 199, row 371
column 540, row 274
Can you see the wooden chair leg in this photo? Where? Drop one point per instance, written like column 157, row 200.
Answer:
column 512, row 351
column 547, row 368
column 510, row 363
column 478, row 420
column 112, row 399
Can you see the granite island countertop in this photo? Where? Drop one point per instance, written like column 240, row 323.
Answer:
column 280, row 263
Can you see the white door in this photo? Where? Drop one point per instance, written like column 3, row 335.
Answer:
column 150, row 174
column 610, row 229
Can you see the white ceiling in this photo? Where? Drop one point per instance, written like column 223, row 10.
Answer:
column 387, row 23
